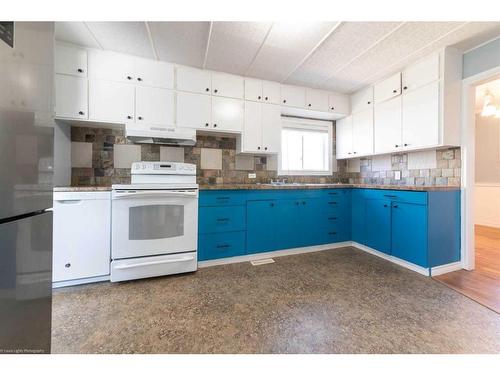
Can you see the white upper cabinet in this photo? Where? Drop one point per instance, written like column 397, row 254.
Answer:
column 71, row 60
column 111, row 66
column 362, row 100
column 271, row 127
column 343, row 134
column 317, row 100
column 111, row 101
column 251, row 140
column 189, row 118
column 421, row 73
column 262, row 128
column 154, row 73
column 420, row 113
column 338, row 103
column 262, row 91
column 228, row 85
column 362, row 133
column 193, row 80
column 388, row 126
column 71, row 97
column 388, row 88
column 228, row 114
column 253, row 89
column 293, row 96
column 154, row 106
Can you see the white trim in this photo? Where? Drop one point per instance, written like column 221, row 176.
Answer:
column 88, row 280
column 272, row 254
column 445, row 268
column 487, row 185
column 492, row 224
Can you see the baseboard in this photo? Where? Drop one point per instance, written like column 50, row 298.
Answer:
column 492, row 224
column 272, row 254
column 88, row 280
column 445, row 268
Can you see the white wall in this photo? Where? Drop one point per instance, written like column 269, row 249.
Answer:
column 487, row 192
column 62, row 154
column 481, row 59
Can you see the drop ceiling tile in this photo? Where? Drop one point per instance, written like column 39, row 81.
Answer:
column 287, row 44
column 233, row 45
column 75, row 33
column 349, row 40
column 126, row 37
column 181, row 42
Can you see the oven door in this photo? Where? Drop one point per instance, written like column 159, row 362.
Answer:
column 153, row 222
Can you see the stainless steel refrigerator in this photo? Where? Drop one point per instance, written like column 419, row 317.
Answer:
column 26, row 171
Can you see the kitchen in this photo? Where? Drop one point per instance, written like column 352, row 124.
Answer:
column 294, row 200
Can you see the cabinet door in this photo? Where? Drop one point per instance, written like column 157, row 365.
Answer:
column 409, row 232
column 362, row 133
column 423, row 72
column 111, row 66
column 193, row 80
column 71, row 60
column 293, row 96
column 228, row 85
column 252, row 133
column 154, row 73
column 343, row 134
column 187, row 117
column 338, row 104
column 271, row 92
column 358, row 215
column 308, row 230
column 387, row 128
column 111, row 101
column 420, row 113
column 362, row 100
column 288, row 232
column 154, row 106
column 388, row 88
column 317, row 100
column 271, row 127
column 71, row 97
column 262, row 224
column 228, row 114
column 253, row 89
column 378, row 224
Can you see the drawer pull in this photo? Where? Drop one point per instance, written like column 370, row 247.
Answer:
column 332, row 233
column 222, row 219
column 332, row 202
column 225, row 246
column 333, row 193
column 222, row 198
column 390, row 196
column 332, row 218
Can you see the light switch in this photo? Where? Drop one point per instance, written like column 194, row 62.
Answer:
column 397, row 175
column 252, row 175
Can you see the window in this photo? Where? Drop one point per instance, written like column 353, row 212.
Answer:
column 306, row 147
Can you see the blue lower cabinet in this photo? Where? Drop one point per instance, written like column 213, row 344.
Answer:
column 289, row 232
column 378, row 224
column 222, row 219
column 262, row 224
column 358, row 213
column 409, row 232
column 221, row 245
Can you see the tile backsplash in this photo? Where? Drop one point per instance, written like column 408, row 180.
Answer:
column 102, row 157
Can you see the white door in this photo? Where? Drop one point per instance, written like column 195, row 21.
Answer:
column 338, row 103
column 111, row 101
column 271, row 127
column 421, row 73
column 271, row 92
column 362, row 133
column 154, row 73
column 362, row 100
column 252, row 133
column 71, row 60
column 343, row 134
column 293, row 96
column 228, row 114
column 317, row 100
column 154, row 106
column 193, row 80
column 194, row 110
column 228, row 85
column 111, row 66
column 387, row 128
column 253, row 89
column 71, row 97
column 388, row 88
column 421, row 117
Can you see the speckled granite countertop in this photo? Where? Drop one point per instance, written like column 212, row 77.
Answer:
column 59, row 189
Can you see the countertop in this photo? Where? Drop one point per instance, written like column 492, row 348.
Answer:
column 278, row 187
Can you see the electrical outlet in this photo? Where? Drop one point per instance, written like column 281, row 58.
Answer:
column 397, row 175
column 252, row 175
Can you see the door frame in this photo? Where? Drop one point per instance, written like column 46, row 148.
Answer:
column 468, row 134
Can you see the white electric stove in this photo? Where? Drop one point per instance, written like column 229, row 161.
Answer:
column 155, row 221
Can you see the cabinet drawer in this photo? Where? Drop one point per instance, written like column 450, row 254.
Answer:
column 415, row 197
column 222, row 198
column 221, row 245
column 222, row 219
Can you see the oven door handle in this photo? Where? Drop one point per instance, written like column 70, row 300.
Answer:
column 154, row 194
column 134, row 265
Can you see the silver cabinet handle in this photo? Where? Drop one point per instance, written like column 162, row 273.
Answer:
column 126, row 266
column 153, row 194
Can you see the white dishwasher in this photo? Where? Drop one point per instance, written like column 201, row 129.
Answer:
column 82, row 236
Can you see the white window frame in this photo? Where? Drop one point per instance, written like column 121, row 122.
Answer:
column 311, row 125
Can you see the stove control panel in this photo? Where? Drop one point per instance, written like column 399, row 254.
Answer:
column 160, row 167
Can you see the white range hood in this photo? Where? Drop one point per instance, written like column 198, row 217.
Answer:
column 158, row 135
